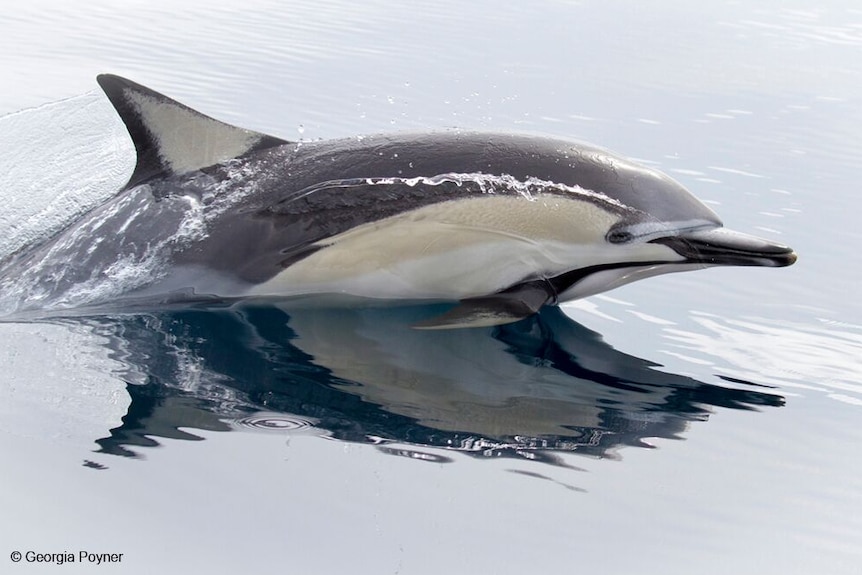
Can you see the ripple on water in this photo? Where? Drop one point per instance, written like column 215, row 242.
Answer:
column 284, row 422
column 825, row 357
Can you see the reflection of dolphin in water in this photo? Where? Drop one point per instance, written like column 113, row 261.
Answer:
column 504, row 223
column 542, row 385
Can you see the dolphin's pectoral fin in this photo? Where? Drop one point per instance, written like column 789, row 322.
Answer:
column 510, row 305
column 171, row 138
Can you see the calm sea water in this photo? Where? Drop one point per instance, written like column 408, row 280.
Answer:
column 701, row 422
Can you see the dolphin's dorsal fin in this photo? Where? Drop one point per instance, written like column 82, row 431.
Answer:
column 510, row 305
column 171, row 138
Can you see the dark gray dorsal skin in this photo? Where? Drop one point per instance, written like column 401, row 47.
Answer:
column 212, row 209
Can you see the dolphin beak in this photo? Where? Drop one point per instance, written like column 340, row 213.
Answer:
column 720, row 246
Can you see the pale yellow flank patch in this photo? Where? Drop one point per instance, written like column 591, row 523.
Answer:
column 457, row 248
column 545, row 217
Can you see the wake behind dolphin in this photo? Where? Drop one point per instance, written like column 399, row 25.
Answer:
column 503, row 224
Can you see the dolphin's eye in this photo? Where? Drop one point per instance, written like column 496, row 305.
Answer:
column 619, row 236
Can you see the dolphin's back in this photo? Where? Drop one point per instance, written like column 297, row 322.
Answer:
column 306, row 192
column 312, row 191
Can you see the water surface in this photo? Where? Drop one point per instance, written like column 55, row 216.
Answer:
column 706, row 419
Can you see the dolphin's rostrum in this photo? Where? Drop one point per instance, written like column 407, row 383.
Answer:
column 503, row 223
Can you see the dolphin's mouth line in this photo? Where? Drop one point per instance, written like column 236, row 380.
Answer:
column 726, row 247
column 565, row 281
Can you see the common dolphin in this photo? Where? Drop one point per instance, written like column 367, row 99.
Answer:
column 502, row 223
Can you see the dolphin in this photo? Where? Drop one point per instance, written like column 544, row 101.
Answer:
column 501, row 223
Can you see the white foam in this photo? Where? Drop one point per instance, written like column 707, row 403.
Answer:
column 57, row 162
column 487, row 183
